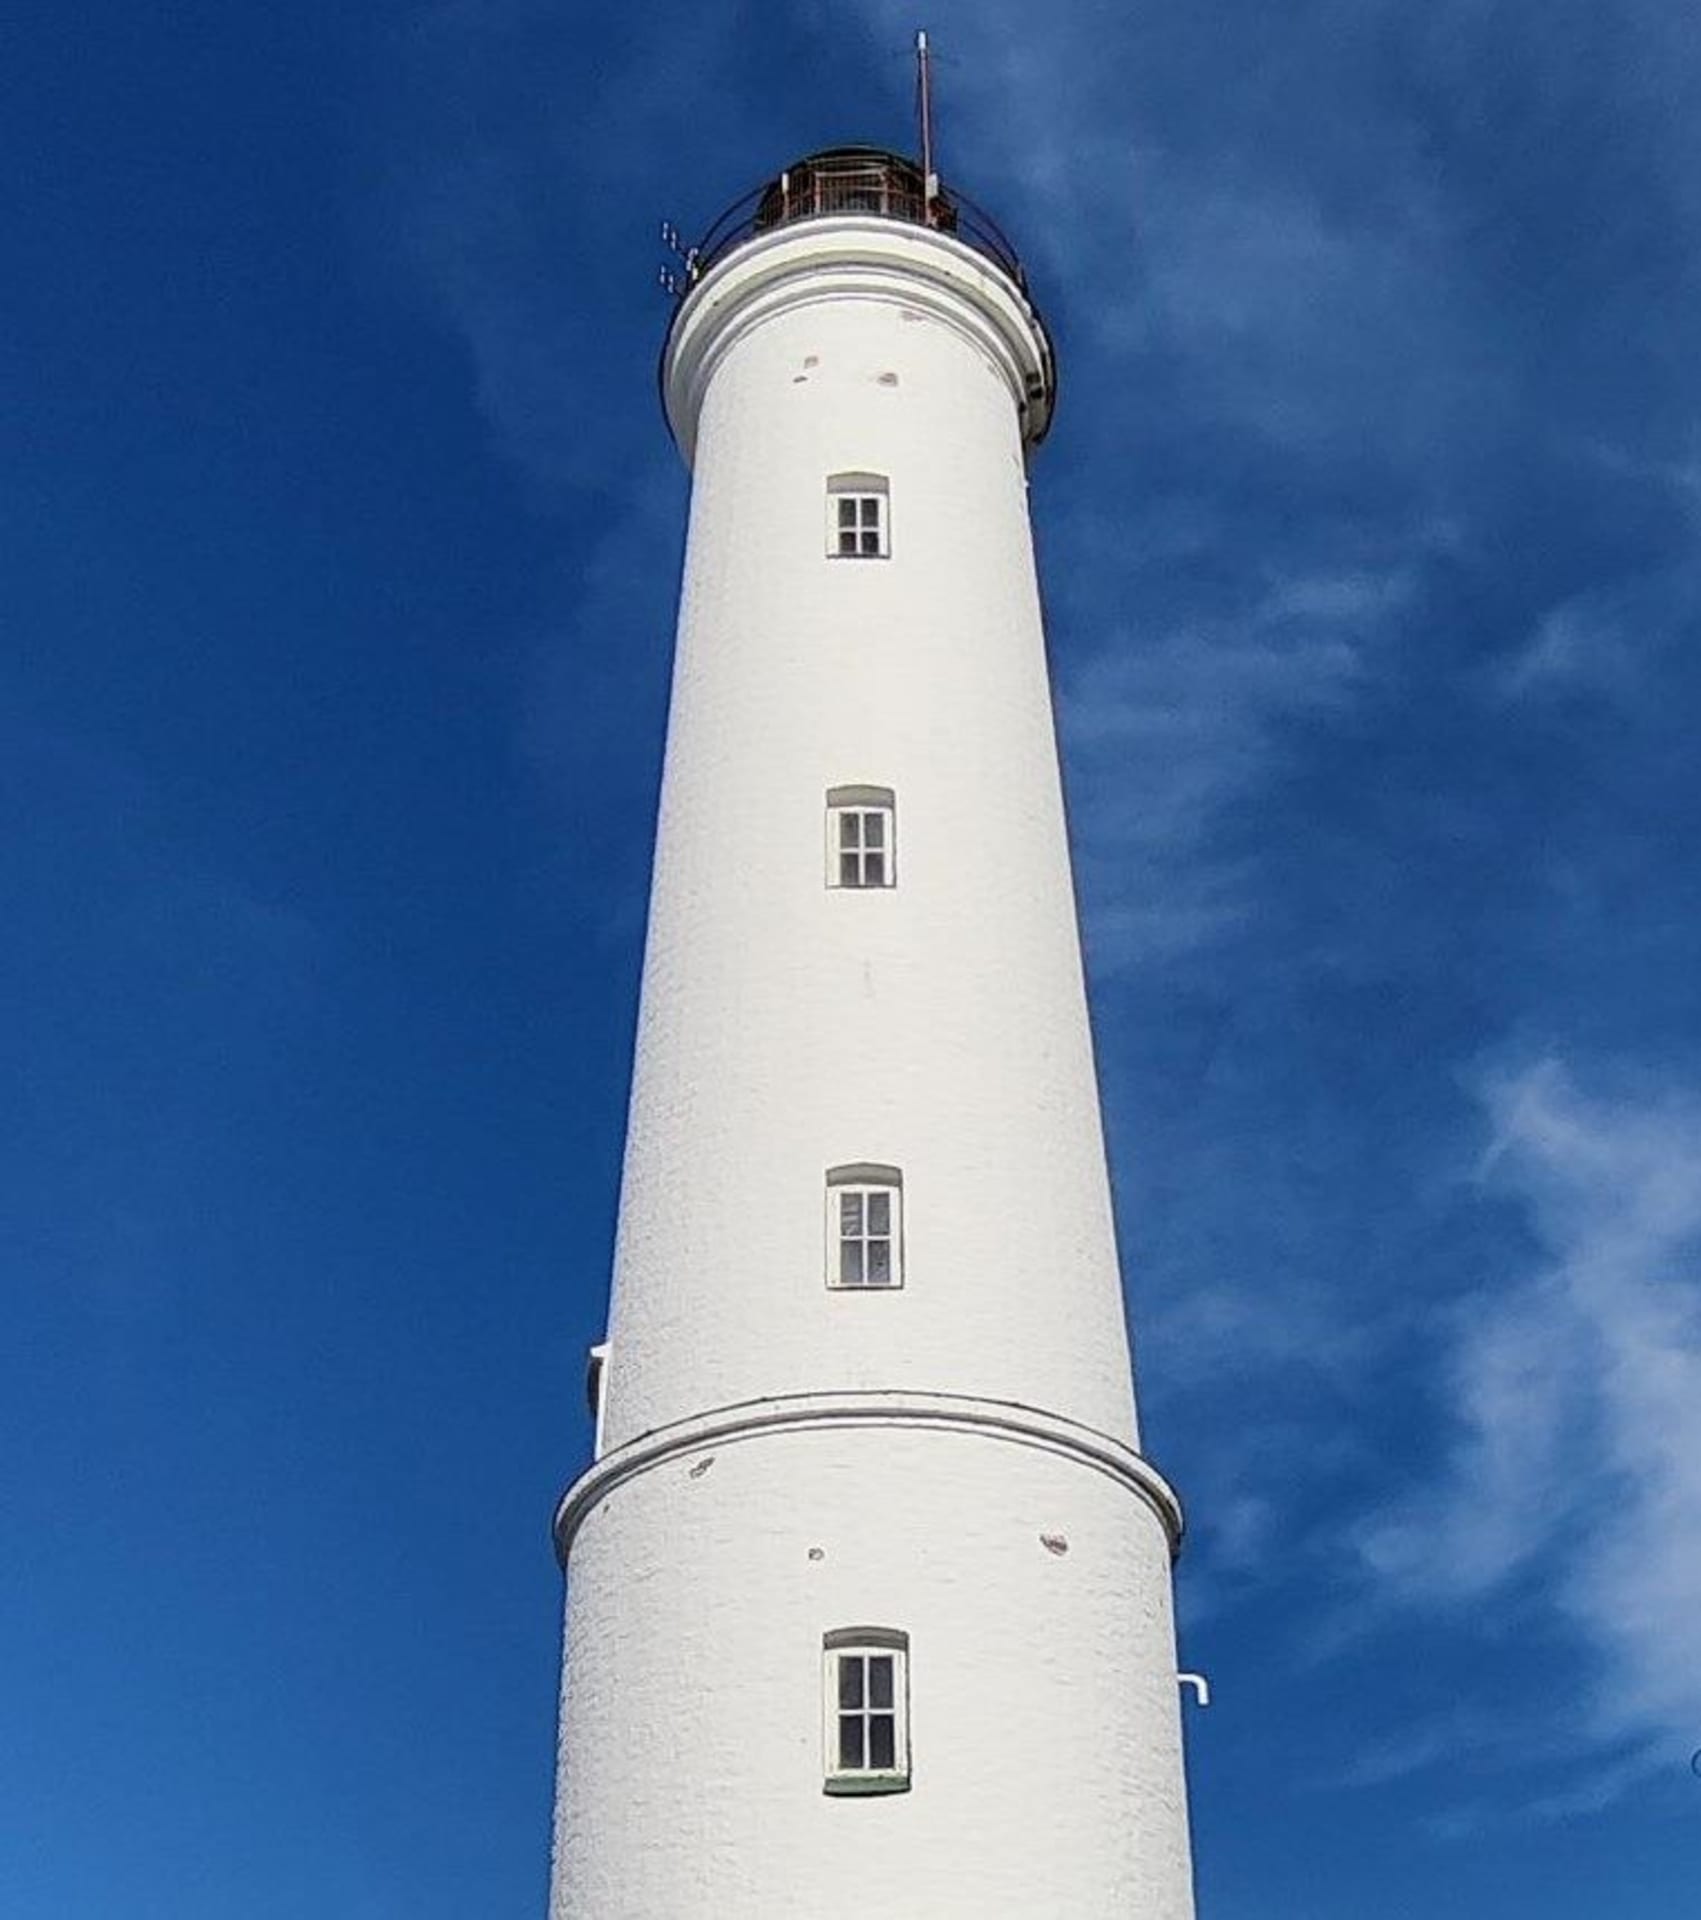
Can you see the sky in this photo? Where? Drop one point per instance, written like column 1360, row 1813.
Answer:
column 339, row 535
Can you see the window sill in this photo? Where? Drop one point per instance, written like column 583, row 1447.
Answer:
column 854, row 1785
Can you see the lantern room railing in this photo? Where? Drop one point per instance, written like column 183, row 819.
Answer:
column 851, row 180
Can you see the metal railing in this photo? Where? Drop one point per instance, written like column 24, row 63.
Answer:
column 885, row 186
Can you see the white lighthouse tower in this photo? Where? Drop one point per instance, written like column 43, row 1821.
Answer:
column 869, row 1603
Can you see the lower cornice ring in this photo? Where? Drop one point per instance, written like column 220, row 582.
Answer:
column 814, row 1412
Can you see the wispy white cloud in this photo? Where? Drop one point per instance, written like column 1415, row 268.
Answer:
column 1437, row 1740
column 1582, row 645
column 1165, row 732
column 595, row 672
column 1205, row 294
column 1314, row 318
column 1617, row 642
column 1575, row 1394
column 1240, row 1530
column 537, row 165
column 1231, row 1331
column 527, row 194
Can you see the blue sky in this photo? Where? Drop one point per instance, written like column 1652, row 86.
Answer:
column 339, row 535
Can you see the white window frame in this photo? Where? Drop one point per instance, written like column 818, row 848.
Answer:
column 861, row 804
column 859, row 516
column 855, row 1648
column 863, row 1181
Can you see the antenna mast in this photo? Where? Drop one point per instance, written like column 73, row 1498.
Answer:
column 924, row 97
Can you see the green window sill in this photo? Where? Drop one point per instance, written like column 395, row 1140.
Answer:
column 856, row 1784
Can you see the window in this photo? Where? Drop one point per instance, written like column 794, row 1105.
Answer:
column 864, row 1226
column 857, row 517
column 860, row 847
column 858, row 526
column 867, row 1710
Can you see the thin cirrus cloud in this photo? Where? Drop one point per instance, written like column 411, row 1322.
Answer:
column 1574, row 1397
column 1166, row 731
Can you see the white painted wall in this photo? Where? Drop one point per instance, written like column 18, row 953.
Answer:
column 788, row 1027
column 1045, row 1745
column 940, row 1026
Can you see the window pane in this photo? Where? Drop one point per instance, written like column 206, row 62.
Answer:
column 882, row 1740
column 870, row 541
column 873, row 828
column 850, row 870
column 879, row 1263
column 869, row 511
column 880, row 1213
column 880, row 1680
column 850, row 1213
column 850, row 829
column 847, row 540
column 847, row 510
column 874, row 869
column 850, row 1263
column 850, row 1741
column 850, row 1680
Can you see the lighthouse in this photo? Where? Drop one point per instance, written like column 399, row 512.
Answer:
column 869, row 1605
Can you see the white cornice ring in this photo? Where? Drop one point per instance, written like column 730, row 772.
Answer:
column 857, row 257
column 816, row 1412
